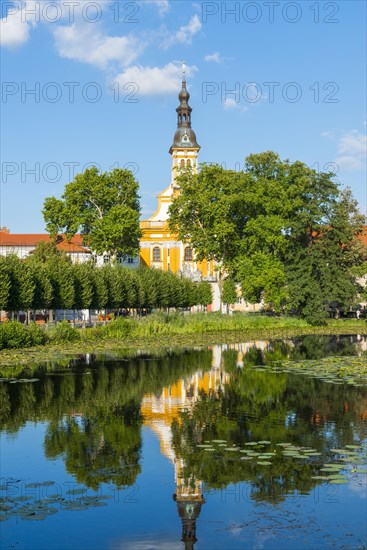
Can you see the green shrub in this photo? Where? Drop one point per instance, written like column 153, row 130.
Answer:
column 14, row 335
column 120, row 328
column 63, row 332
column 38, row 334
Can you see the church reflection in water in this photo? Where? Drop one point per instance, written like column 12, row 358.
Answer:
column 160, row 411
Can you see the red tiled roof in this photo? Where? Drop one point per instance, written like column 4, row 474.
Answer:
column 32, row 239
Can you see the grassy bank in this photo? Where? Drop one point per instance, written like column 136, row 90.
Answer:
column 163, row 331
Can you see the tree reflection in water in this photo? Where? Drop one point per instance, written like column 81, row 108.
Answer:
column 95, row 413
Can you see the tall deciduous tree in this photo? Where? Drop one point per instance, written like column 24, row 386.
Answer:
column 206, row 213
column 325, row 258
column 104, row 207
column 284, row 231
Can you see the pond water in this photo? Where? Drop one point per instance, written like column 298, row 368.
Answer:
column 228, row 447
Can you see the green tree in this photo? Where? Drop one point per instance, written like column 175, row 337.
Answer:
column 83, row 283
column 11, row 269
column 100, row 290
column 205, row 294
column 323, row 261
column 208, row 213
column 286, row 233
column 147, row 288
column 104, row 207
column 26, row 287
column 229, row 293
column 46, row 250
column 5, row 285
column 263, row 278
column 21, row 291
column 43, row 291
column 62, row 279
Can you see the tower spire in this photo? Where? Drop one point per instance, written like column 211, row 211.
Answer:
column 184, row 137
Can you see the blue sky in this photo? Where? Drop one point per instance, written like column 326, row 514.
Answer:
column 282, row 76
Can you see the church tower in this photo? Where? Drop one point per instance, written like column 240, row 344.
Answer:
column 160, row 248
column 184, row 149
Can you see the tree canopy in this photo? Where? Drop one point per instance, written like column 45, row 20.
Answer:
column 103, row 207
column 286, row 233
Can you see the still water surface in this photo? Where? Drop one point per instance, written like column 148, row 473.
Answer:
column 167, row 451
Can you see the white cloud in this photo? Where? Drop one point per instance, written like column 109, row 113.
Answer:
column 15, row 26
column 352, row 150
column 327, row 134
column 185, row 33
column 155, row 80
column 214, row 57
column 162, row 5
column 83, row 42
column 353, row 143
column 231, row 104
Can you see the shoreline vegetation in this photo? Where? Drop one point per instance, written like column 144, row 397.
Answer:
column 26, row 346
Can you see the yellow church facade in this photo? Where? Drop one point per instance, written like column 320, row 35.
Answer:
column 159, row 247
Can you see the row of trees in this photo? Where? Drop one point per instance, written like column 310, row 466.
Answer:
column 48, row 280
column 287, row 234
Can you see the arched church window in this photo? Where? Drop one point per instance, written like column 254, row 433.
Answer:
column 188, row 256
column 184, row 118
column 182, row 164
column 188, row 164
column 156, row 254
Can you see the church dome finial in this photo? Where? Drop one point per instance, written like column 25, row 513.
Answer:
column 184, row 95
